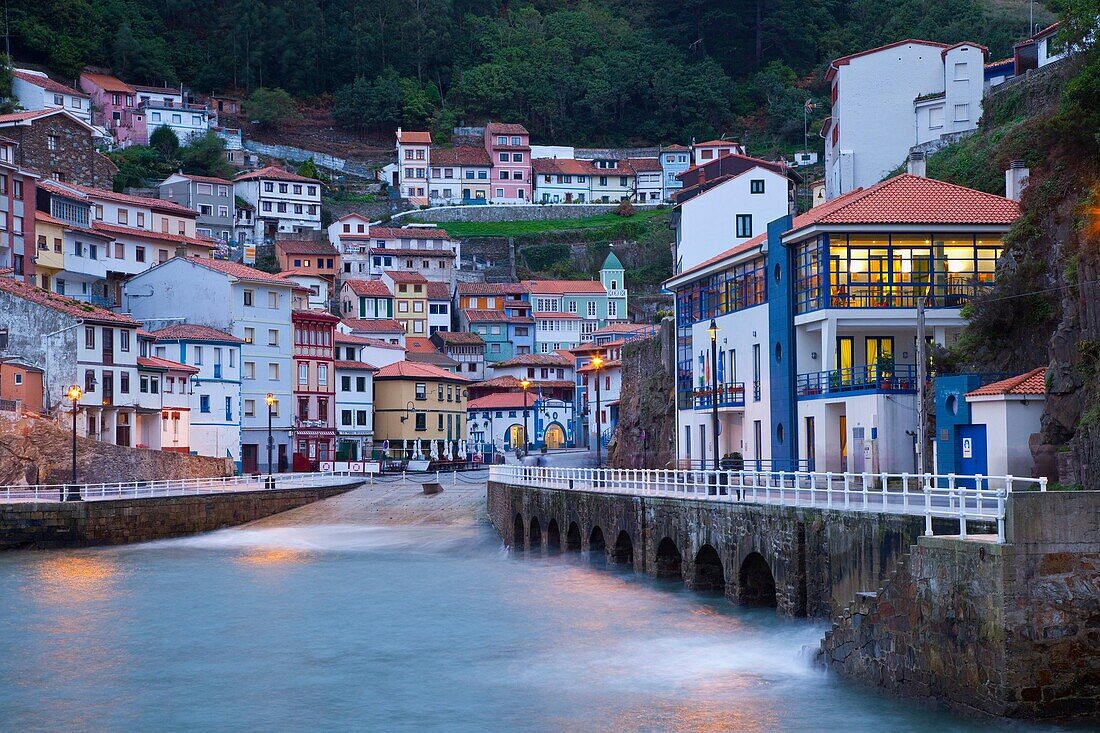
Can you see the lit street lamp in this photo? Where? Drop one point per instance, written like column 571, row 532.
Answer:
column 525, row 384
column 270, row 399
column 712, row 329
column 596, row 363
column 73, row 492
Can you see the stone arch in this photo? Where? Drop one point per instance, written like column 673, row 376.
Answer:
column 534, row 537
column 669, row 561
column 519, row 534
column 573, row 538
column 709, row 573
column 553, row 537
column 597, row 547
column 623, row 551
column 756, row 586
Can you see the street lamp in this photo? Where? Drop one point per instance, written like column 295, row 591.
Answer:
column 712, row 329
column 525, row 384
column 270, row 399
column 597, row 362
column 73, row 493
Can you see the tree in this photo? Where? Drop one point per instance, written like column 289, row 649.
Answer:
column 165, row 141
column 7, row 90
column 271, row 108
column 308, row 169
column 205, row 156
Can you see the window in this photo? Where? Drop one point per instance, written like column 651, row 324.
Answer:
column 123, row 340
column 272, row 337
column 960, row 71
column 504, row 176
column 273, row 371
column 250, row 408
column 124, row 382
column 744, row 225
column 89, row 337
column 503, row 157
column 421, row 391
column 345, row 384
column 756, row 185
column 322, row 375
column 360, row 384
column 591, row 309
column 345, row 417
column 123, row 216
column 303, row 373
column 612, row 309
column 935, row 117
column 962, row 112
column 360, row 417
column 250, row 370
column 249, row 335
column 272, row 299
column 517, row 141
column 421, row 421
column 204, row 403
column 52, row 142
column 249, row 297
column 89, row 380
column 517, row 157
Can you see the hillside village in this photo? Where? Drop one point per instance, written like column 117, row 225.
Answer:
column 237, row 317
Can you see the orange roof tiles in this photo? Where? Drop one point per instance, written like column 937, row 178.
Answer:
column 369, row 288
column 304, row 247
column 455, row 338
column 206, row 179
column 405, row 276
column 564, row 166
column 155, row 362
column 124, row 231
column 361, row 365
column 502, row 400
column 194, row 332
column 491, row 289
column 417, row 370
column 274, row 173
column 747, row 246
column 108, row 83
column 237, row 270
column 419, row 344
column 644, row 165
column 547, row 360
column 377, row 325
column 562, row 287
column 414, row 137
column 1029, row 383
column 122, row 198
column 464, row 155
column 506, row 128
column 63, row 304
column 438, row 291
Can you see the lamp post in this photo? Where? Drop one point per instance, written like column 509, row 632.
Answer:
column 525, row 384
column 270, row 400
column 73, row 492
column 597, row 362
column 712, row 329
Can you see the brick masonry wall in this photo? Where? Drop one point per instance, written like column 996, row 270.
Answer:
column 75, row 155
column 27, row 525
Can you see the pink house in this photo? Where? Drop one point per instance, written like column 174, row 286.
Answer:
column 509, row 148
column 115, row 108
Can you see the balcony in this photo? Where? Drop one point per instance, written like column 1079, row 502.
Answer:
column 731, row 394
column 896, row 379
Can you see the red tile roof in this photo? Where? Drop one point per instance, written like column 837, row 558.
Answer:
column 506, row 128
column 419, row 345
column 563, row 166
column 374, row 325
column 305, row 247
column 675, row 148
column 502, row 400
column 538, row 360
column 63, row 304
column 405, row 276
column 122, row 198
column 369, row 288
column 747, row 246
column 346, row 338
column 27, row 115
column 644, row 165
column 717, row 144
column 474, row 315
column 417, row 370
column 459, row 338
column 623, row 328
column 406, row 233
column 155, row 362
column 206, row 179
column 403, row 252
column 361, row 365
column 414, row 137
column 984, row 50
column 123, row 231
column 45, row 82
column 561, row 287
column 464, row 155
column 491, row 289
column 504, row 382
column 556, row 314
column 193, row 332
column 438, row 291
column 843, row 60
column 1030, row 383
column 237, row 270
column 910, row 199
column 108, row 83
column 275, row 174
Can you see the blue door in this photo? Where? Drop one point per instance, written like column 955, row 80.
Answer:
column 972, row 450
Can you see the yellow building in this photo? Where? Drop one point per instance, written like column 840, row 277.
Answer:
column 50, row 250
column 410, row 299
column 415, row 401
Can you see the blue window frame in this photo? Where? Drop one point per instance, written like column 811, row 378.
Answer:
column 204, row 403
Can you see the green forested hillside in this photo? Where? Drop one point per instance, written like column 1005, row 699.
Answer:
column 598, row 71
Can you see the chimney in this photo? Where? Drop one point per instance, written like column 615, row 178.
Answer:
column 1016, row 179
column 916, row 163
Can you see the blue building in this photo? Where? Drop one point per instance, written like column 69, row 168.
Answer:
column 675, row 159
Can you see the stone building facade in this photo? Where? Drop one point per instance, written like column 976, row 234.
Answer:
column 59, row 146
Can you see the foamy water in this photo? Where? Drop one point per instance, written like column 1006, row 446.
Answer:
column 346, row 627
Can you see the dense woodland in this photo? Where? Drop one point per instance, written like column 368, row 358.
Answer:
column 595, row 71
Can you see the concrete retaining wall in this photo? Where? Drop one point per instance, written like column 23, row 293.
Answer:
column 527, row 212
column 27, row 525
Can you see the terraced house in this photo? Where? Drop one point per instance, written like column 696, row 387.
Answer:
column 500, row 313
column 567, row 312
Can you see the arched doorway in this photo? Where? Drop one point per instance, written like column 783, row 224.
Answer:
column 553, row 537
column 534, row 538
column 554, row 437
column 669, row 560
column 757, row 586
column 597, row 548
column 709, row 575
column 518, row 533
column 515, row 437
column 573, row 538
column 623, row 551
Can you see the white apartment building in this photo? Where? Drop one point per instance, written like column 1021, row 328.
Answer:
column 886, row 100
column 419, row 248
column 34, row 90
column 251, row 305
column 354, row 398
column 168, row 107
column 283, row 202
column 414, row 150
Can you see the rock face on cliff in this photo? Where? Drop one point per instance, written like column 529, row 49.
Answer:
column 644, row 436
column 36, row 450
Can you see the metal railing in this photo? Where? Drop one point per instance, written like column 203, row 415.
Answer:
column 176, row 487
column 730, row 394
column 869, row 378
column 951, row 497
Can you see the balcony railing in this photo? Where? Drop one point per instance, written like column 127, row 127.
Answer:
column 731, row 394
column 898, row 378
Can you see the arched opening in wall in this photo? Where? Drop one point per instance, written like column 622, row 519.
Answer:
column 669, row 560
column 597, row 548
column 623, row 551
column 518, row 533
column 553, row 537
column 709, row 575
column 534, row 538
column 757, row 582
column 573, row 538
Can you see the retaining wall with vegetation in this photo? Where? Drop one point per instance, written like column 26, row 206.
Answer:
column 520, row 212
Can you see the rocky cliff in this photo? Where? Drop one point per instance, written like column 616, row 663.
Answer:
column 645, row 434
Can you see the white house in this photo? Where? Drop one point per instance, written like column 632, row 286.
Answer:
column 439, row 306
column 164, row 402
column 1043, row 48
column 562, row 180
column 460, row 175
column 1008, row 412
column 215, row 394
column 355, row 396
column 419, row 248
column 35, row 90
column 283, row 202
column 168, row 107
column 251, row 305
column 648, row 180
column 887, row 99
column 320, row 288
column 725, row 202
column 349, row 225
column 704, row 152
column 414, row 149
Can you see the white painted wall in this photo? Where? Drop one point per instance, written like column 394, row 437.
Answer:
column 1010, row 421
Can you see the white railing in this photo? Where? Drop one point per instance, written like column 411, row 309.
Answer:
column 176, row 487
column 953, row 497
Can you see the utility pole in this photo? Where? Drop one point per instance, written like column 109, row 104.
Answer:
column 922, row 361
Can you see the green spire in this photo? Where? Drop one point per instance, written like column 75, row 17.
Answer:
column 612, row 262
